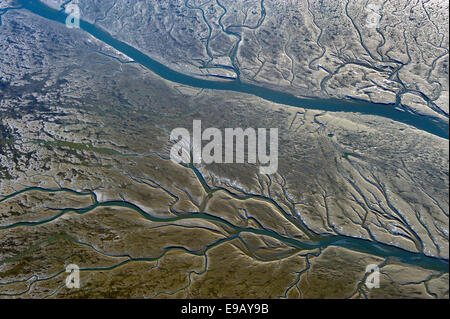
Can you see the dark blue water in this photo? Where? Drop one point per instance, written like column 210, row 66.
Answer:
column 428, row 124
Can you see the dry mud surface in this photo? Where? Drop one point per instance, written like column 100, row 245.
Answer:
column 86, row 178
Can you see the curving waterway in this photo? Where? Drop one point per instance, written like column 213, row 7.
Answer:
column 352, row 243
column 424, row 123
column 356, row 244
